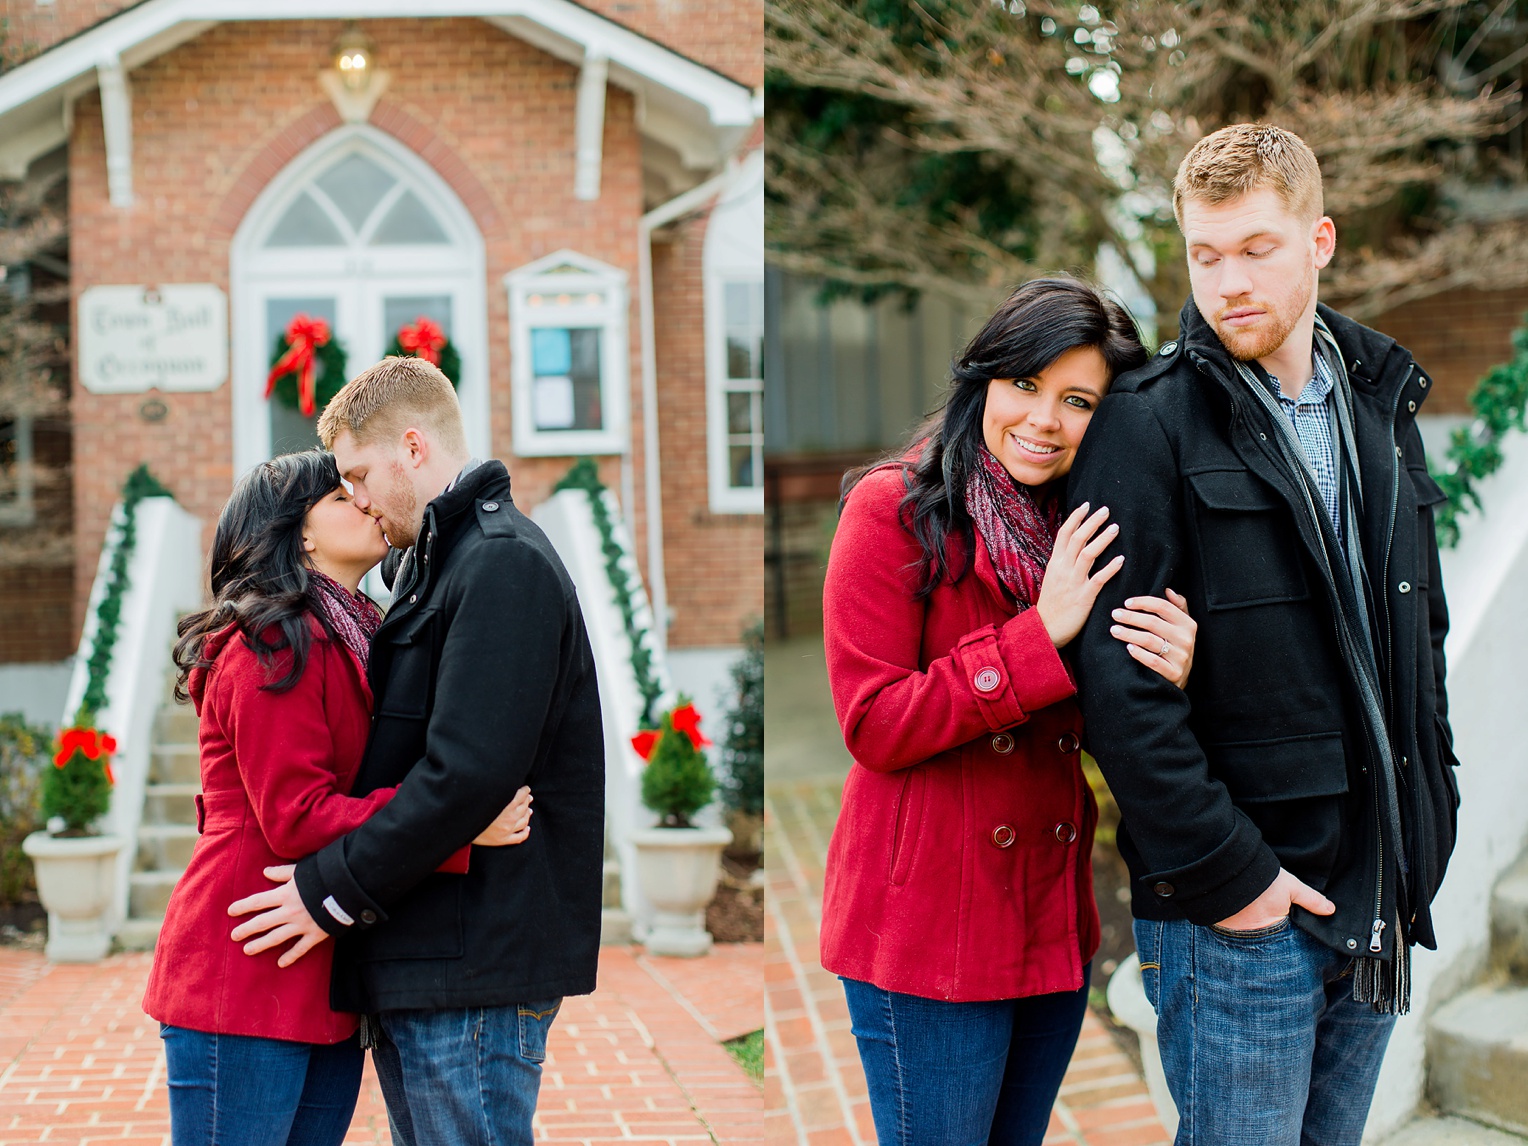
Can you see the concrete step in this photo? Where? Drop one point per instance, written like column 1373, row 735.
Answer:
column 148, row 893
column 170, row 803
column 138, row 934
column 1450, row 1132
column 1477, row 1051
column 612, row 892
column 176, row 723
column 171, row 763
column 165, row 847
column 615, row 927
column 1509, row 921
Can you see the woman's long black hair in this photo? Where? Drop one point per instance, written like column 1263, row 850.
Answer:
column 1037, row 324
column 259, row 568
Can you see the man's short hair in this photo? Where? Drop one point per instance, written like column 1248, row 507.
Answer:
column 1246, row 157
column 382, row 401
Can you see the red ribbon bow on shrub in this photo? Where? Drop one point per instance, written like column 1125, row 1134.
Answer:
column 91, row 741
column 424, row 340
column 685, row 719
column 304, row 336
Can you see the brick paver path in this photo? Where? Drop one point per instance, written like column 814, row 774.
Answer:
column 814, row 1090
column 637, row 1062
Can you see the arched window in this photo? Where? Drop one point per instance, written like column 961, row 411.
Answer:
column 361, row 232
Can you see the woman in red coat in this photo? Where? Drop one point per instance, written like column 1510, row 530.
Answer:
column 958, row 907
column 277, row 671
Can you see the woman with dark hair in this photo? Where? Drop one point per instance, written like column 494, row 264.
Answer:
column 277, row 670
column 958, row 908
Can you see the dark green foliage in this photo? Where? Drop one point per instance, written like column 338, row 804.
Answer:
column 1499, row 402
column 23, row 755
column 743, row 749
column 450, row 360
column 328, row 379
column 585, row 475
column 139, row 485
column 80, row 791
column 677, row 781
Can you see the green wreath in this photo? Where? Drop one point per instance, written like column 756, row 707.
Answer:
column 450, row 361
column 326, row 382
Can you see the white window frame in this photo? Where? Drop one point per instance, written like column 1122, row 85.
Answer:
column 734, row 253
column 548, row 277
column 21, row 513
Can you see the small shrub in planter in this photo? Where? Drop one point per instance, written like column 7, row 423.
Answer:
column 77, row 789
column 678, row 780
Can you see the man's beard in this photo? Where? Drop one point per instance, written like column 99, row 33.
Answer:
column 401, row 510
column 1280, row 319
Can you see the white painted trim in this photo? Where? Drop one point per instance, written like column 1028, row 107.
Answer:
column 117, row 124
column 615, row 351
column 250, row 273
column 635, row 60
column 23, row 511
column 590, row 127
column 729, row 258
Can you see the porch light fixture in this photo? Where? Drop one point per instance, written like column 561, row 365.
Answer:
column 354, row 52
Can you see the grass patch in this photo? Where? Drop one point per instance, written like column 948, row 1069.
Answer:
column 749, row 1052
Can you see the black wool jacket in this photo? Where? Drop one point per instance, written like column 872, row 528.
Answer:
column 1266, row 759
column 483, row 681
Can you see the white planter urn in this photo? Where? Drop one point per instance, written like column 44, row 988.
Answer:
column 677, row 868
column 1127, row 999
column 76, row 878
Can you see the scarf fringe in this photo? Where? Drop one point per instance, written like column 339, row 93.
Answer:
column 1386, row 986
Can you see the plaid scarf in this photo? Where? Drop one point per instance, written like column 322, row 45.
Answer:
column 1018, row 527
column 352, row 617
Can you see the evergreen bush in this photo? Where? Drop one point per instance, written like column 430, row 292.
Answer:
column 743, row 750
column 23, row 755
column 77, row 789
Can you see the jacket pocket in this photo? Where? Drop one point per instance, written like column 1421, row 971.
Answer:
column 909, row 822
column 426, row 925
column 1286, row 768
column 1247, row 544
column 1429, row 494
column 411, row 672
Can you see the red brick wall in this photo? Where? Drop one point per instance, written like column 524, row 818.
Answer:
column 1456, row 338
column 715, row 561
column 216, row 118
column 33, row 28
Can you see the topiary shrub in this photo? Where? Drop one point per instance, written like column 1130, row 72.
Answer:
column 678, row 780
column 77, row 789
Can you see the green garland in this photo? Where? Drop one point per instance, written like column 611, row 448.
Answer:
column 1499, row 402
column 139, row 485
column 585, row 475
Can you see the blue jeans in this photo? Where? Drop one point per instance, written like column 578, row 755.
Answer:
column 466, row 1077
column 963, row 1074
column 1261, row 1040
column 237, row 1090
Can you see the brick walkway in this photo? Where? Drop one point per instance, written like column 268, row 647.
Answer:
column 814, row 1090
column 640, row 1061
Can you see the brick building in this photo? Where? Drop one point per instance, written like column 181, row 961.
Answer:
column 572, row 192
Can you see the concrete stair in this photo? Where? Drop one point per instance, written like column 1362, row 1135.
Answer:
column 615, row 921
column 167, row 832
column 1477, row 1043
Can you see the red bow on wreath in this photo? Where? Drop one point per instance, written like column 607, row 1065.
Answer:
column 91, row 741
column 304, row 336
column 424, row 339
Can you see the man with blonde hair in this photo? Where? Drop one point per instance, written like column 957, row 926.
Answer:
column 1288, row 817
column 483, row 680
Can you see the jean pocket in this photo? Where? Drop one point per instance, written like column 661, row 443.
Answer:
column 535, row 1022
column 1255, row 935
column 1148, row 937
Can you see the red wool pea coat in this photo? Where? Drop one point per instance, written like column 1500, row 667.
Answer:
column 275, row 769
column 960, row 866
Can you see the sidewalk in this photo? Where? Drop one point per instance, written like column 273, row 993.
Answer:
column 814, row 1090
column 640, row 1061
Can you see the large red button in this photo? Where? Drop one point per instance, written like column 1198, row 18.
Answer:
column 1003, row 835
